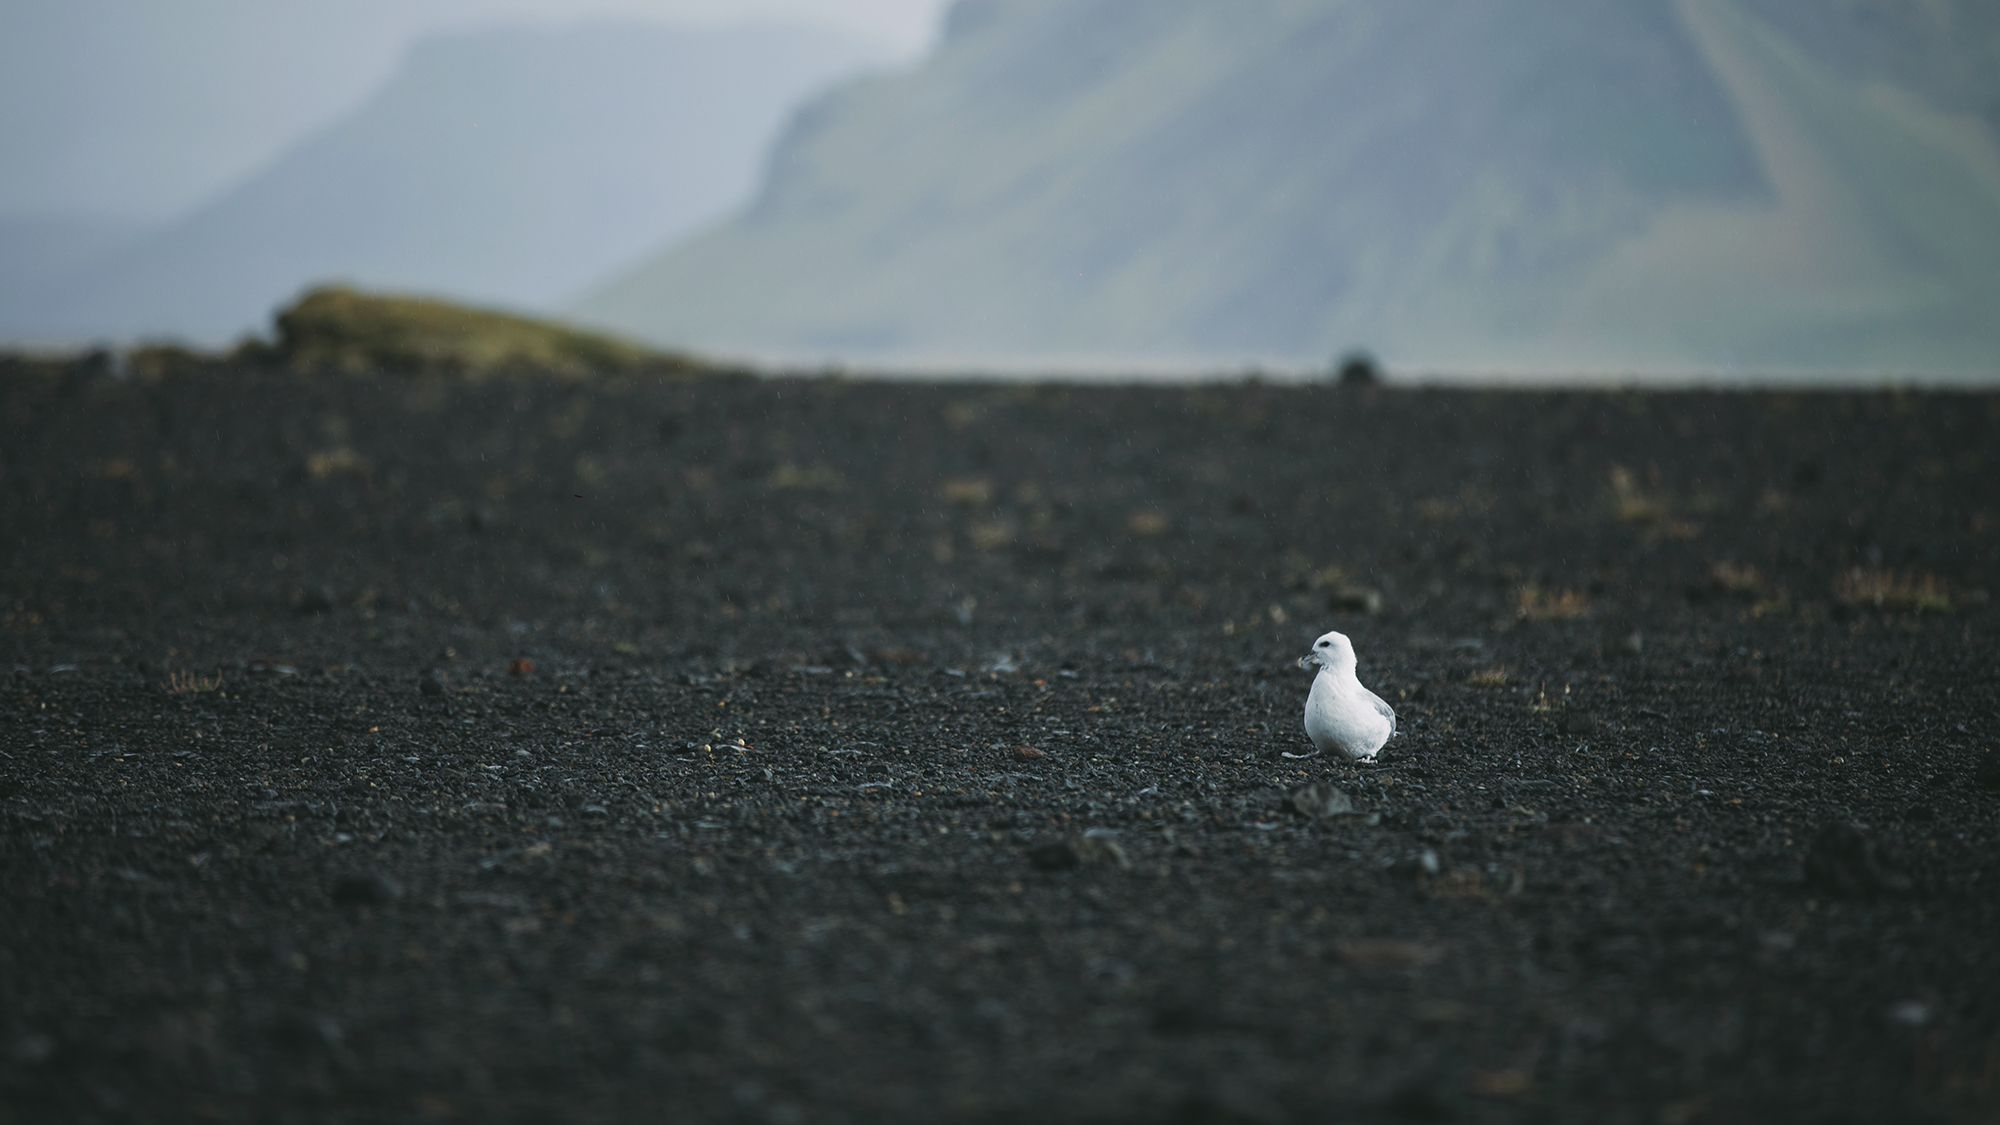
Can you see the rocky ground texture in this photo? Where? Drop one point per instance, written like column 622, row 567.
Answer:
column 802, row 750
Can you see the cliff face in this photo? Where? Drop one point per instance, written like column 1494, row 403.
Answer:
column 1518, row 185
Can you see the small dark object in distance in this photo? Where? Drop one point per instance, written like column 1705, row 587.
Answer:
column 1358, row 369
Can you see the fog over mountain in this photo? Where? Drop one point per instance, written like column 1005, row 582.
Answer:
column 510, row 167
column 1536, row 186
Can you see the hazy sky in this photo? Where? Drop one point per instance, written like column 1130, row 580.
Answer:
column 138, row 109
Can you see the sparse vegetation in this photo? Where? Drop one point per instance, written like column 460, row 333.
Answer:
column 191, row 684
column 348, row 330
column 1532, row 603
column 1631, row 502
column 1649, row 508
column 1876, row 588
column 1738, row 578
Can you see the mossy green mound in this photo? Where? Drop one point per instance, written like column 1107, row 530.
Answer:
column 343, row 328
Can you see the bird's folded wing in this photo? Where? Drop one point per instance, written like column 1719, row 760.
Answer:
column 1384, row 710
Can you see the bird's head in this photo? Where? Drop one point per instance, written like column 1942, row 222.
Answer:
column 1333, row 651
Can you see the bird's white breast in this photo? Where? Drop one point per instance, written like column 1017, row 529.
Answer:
column 1341, row 715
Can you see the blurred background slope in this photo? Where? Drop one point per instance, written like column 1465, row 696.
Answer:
column 509, row 167
column 1759, row 186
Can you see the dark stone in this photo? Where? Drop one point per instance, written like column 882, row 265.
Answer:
column 316, row 599
column 1579, row 722
column 1986, row 775
column 1849, row 861
column 365, row 888
column 303, row 1030
column 1078, row 851
column 1317, row 800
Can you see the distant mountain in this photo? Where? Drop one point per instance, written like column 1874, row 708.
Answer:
column 1511, row 185
column 503, row 167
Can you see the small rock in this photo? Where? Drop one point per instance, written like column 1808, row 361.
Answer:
column 1579, row 722
column 1773, row 942
column 1355, row 599
column 306, row 1030
column 432, row 683
column 1507, row 1083
column 1073, row 852
column 1387, row 954
column 1228, row 1104
column 32, row 1049
column 1847, row 860
column 1987, row 774
column 1028, row 753
column 1622, row 638
column 1420, row 1098
column 1417, row 865
column 1317, row 800
column 520, row 666
column 365, row 888
column 1910, row 1013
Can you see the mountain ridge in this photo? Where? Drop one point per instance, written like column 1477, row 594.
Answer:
column 1557, row 189
column 507, row 166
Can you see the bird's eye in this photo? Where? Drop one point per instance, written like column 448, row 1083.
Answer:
column 1322, row 644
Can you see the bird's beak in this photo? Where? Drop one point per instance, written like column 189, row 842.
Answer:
column 1308, row 661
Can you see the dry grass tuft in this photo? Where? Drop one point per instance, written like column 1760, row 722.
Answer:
column 1738, row 578
column 339, row 459
column 188, row 684
column 1877, row 588
column 810, row 478
column 1532, row 603
column 1631, row 503
column 972, row 492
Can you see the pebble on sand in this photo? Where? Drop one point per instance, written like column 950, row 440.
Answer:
column 1986, row 775
column 1579, row 722
column 1318, row 800
column 316, row 599
column 365, row 888
column 1848, row 860
column 1073, row 852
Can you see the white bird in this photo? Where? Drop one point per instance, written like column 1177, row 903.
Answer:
column 1340, row 713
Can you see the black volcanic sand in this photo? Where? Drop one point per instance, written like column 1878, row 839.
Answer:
column 1692, row 816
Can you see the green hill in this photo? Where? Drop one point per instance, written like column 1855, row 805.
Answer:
column 342, row 329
